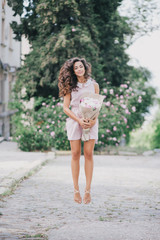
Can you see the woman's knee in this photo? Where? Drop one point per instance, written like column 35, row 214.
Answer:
column 76, row 155
column 88, row 154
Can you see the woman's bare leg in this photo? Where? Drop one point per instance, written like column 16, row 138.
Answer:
column 75, row 167
column 88, row 154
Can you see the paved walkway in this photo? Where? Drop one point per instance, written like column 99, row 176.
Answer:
column 125, row 202
column 15, row 164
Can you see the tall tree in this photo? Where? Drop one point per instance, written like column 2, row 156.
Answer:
column 58, row 30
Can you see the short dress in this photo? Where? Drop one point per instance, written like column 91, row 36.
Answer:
column 74, row 130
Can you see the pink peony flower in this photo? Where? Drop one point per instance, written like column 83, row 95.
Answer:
column 52, row 134
column 127, row 126
column 108, row 104
column 123, row 106
column 53, row 106
column 104, row 115
column 121, row 97
column 40, row 130
column 124, row 135
column 114, row 139
column 102, row 135
column 125, row 120
column 105, row 90
column 47, row 126
column 114, row 128
column 53, row 122
column 127, row 111
column 108, row 131
column 43, row 104
column 73, row 30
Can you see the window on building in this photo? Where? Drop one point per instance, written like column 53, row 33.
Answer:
column 3, row 31
column 10, row 37
column 3, row 4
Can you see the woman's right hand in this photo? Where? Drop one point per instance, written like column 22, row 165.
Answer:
column 83, row 123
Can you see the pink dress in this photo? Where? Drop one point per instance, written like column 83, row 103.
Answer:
column 74, row 130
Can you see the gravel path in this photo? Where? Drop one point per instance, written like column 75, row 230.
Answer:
column 125, row 202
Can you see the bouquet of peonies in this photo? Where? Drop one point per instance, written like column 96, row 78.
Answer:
column 90, row 105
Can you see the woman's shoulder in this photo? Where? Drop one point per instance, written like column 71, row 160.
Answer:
column 94, row 82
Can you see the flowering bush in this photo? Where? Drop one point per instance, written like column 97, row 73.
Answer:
column 44, row 127
column 120, row 113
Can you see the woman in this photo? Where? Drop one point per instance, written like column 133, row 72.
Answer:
column 74, row 80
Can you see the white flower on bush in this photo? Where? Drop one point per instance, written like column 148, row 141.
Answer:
column 111, row 91
column 140, row 99
column 133, row 108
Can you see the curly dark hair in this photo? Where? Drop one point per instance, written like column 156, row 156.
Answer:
column 67, row 80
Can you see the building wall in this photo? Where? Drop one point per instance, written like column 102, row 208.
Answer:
column 10, row 61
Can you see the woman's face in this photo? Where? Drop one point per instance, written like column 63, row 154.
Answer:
column 79, row 69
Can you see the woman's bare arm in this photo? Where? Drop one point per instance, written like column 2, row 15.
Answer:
column 67, row 111
column 96, row 86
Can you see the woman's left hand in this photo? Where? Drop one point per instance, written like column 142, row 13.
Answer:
column 91, row 122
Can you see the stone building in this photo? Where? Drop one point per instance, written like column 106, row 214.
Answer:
column 10, row 61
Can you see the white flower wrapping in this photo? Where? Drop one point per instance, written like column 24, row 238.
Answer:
column 89, row 107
